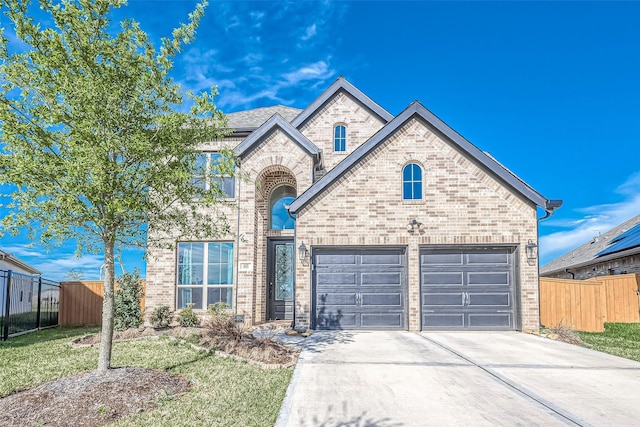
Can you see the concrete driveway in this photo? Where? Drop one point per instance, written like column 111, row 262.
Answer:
column 384, row 379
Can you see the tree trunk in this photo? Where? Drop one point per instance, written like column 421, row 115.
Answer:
column 106, row 340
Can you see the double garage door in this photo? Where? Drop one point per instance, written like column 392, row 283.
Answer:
column 461, row 288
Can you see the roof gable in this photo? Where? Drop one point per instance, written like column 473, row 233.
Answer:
column 341, row 84
column 415, row 109
column 276, row 122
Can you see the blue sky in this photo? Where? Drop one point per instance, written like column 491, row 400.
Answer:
column 550, row 89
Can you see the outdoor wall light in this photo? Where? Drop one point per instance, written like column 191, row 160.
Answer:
column 303, row 252
column 531, row 250
column 415, row 226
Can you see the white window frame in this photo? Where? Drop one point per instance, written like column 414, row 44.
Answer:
column 183, row 288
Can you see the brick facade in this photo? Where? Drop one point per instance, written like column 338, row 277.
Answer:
column 463, row 204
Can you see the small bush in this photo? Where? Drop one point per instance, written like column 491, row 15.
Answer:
column 128, row 313
column 161, row 317
column 222, row 323
column 187, row 317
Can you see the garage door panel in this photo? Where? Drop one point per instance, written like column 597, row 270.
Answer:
column 382, row 259
column 443, row 320
column 382, row 299
column 442, row 279
column 336, row 259
column 334, row 298
column 442, row 258
column 384, row 279
column 449, row 299
column 494, row 320
column 336, row 319
column 382, row 320
column 500, row 258
column 488, row 278
column 501, row 300
column 336, row 279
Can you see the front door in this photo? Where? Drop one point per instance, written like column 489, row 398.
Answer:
column 280, row 279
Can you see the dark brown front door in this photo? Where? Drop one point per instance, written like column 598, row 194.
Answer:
column 280, row 279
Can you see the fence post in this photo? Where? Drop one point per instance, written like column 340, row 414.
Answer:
column 5, row 333
column 39, row 302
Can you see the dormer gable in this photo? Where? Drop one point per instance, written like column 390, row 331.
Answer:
column 341, row 85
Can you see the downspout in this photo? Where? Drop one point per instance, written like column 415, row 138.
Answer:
column 235, row 305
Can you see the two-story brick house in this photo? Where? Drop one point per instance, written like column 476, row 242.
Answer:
column 352, row 218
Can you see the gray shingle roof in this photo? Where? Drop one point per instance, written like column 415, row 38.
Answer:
column 586, row 254
column 253, row 119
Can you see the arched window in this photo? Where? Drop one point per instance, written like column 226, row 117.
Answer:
column 281, row 197
column 340, row 138
column 412, row 182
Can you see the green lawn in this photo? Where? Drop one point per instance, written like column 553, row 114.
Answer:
column 620, row 339
column 226, row 392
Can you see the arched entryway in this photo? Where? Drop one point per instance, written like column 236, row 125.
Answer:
column 277, row 189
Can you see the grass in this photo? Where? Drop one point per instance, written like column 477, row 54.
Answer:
column 619, row 339
column 226, row 392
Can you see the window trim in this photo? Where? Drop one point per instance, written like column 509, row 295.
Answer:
column 205, row 286
column 342, row 138
column 412, row 182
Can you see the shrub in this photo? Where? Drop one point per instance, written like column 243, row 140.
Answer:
column 161, row 317
column 128, row 294
column 187, row 317
column 222, row 323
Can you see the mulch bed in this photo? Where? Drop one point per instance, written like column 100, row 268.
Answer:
column 262, row 351
column 90, row 398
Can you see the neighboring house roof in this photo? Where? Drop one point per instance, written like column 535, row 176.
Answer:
column 10, row 259
column 276, row 121
column 253, row 119
column 621, row 241
column 341, row 85
column 417, row 110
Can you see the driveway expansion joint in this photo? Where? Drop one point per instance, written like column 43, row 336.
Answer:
column 519, row 389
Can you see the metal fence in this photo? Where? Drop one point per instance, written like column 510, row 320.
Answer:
column 27, row 303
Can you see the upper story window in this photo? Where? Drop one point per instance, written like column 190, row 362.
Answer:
column 340, row 138
column 412, row 182
column 206, row 165
column 280, row 199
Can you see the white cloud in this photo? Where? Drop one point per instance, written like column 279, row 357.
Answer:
column 597, row 219
column 317, row 71
column 311, row 31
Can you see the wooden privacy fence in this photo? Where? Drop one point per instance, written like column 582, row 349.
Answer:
column 585, row 305
column 81, row 302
